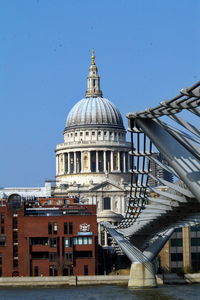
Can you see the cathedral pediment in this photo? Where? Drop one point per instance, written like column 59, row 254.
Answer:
column 106, row 186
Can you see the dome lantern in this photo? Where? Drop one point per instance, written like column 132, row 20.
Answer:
column 93, row 80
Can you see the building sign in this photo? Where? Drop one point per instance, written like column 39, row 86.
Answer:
column 85, row 227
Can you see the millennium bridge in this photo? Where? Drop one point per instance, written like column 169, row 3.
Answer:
column 171, row 129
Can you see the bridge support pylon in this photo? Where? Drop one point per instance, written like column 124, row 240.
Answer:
column 142, row 275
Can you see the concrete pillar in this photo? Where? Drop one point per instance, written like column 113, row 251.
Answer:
column 142, row 275
column 97, row 161
column 186, row 249
column 104, row 161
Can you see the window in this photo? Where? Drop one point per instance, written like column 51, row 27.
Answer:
column 0, row 258
column 75, row 133
column 15, row 237
column 86, row 240
column 105, row 132
column 36, row 271
column 99, row 133
column 69, row 256
column 15, row 251
column 65, row 228
column 81, row 134
column 176, row 242
column 2, row 218
column 176, row 256
column 68, row 242
column 15, row 223
column 52, row 256
column 52, row 228
column 15, row 263
column 2, row 230
column 53, row 242
column 195, row 241
column 87, row 133
column 55, row 228
column 93, row 133
column 53, row 271
column 85, row 269
column 2, row 240
column 70, row 228
column 106, row 203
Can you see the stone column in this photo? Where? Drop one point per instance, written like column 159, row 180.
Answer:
column 89, row 161
column 63, row 163
column 68, row 162
column 81, row 161
column 106, row 238
column 142, row 275
column 111, row 161
column 57, row 165
column 128, row 162
column 104, row 161
column 124, row 162
column 118, row 158
column 75, row 162
column 97, row 161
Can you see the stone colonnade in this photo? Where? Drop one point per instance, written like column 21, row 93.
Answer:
column 92, row 161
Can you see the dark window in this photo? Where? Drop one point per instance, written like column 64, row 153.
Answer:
column 0, row 258
column 15, row 251
column 93, row 133
column 195, row 241
column 176, row 242
column 69, row 256
column 52, row 256
column 15, row 237
column 93, row 82
column 53, row 271
column 85, row 269
column 65, row 228
column 15, row 223
column 2, row 218
column 0, row 271
column 176, row 256
column 2, row 230
column 53, row 242
column 2, row 240
column 40, row 255
column 15, row 263
column 195, row 228
column 82, row 254
column 50, row 228
column 70, row 228
column 36, row 271
column 106, row 203
column 87, row 133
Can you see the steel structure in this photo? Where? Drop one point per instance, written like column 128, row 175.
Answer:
column 154, row 213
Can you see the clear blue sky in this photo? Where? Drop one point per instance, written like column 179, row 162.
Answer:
column 145, row 51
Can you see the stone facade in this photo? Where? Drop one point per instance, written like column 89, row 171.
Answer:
column 93, row 162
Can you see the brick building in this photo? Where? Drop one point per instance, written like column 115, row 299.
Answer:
column 47, row 237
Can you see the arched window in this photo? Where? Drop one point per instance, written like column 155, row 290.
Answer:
column 106, row 203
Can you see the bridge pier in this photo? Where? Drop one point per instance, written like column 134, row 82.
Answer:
column 142, row 275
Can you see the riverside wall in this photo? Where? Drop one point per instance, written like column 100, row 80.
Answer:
column 91, row 280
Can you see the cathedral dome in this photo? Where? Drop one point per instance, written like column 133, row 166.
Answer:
column 93, row 111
